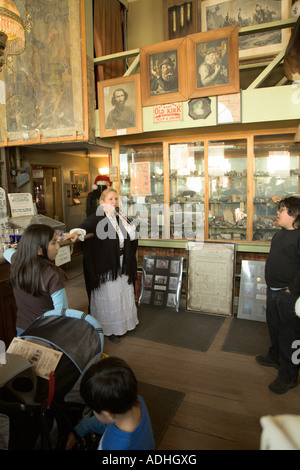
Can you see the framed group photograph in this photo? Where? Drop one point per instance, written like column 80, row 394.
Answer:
column 217, row 14
column 213, row 60
column 119, row 105
column 161, row 282
column 163, row 72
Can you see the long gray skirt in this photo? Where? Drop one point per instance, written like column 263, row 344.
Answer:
column 113, row 305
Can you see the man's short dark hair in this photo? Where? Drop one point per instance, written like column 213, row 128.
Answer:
column 292, row 204
column 113, row 100
column 109, row 385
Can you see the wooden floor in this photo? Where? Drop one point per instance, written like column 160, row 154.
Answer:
column 225, row 393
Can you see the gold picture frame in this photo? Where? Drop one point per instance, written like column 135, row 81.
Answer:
column 213, row 63
column 163, row 72
column 119, row 105
column 216, row 14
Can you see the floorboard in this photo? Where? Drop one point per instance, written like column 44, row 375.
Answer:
column 225, row 393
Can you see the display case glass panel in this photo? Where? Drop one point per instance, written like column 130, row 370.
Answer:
column 142, row 187
column 276, row 176
column 187, row 190
column 227, row 178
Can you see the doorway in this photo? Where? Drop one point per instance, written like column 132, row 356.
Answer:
column 47, row 190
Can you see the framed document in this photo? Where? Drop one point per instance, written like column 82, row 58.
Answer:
column 210, row 277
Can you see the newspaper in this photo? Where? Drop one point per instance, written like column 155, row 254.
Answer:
column 44, row 360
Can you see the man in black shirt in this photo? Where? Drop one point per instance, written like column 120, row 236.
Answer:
column 282, row 275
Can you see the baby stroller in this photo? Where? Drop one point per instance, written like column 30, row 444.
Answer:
column 40, row 413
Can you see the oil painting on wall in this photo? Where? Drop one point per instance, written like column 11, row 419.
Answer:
column 44, row 93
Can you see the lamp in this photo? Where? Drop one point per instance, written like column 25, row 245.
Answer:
column 12, row 29
column 103, row 171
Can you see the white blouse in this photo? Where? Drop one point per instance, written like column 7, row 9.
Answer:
column 130, row 229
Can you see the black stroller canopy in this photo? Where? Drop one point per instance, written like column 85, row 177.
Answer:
column 78, row 335
column 30, row 400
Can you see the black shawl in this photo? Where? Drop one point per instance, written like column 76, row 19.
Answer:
column 101, row 256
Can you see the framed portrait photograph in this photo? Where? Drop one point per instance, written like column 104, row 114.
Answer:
column 82, row 181
column 217, row 14
column 213, row 63
column 119, row 105
column 199, row 108
column 163, row 72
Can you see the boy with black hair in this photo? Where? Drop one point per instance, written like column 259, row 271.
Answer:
column 109, row 388
column 282, row 275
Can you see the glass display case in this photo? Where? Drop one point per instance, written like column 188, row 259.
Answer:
column 209, row 187
column 276, row 176
column 142, row 187
column 227, row 177
column 187, row 190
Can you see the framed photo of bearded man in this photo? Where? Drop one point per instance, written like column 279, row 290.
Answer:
column 119, row 106
column 213, row 59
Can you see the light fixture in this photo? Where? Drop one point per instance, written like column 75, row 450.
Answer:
column 103, row 171
column 12, row 29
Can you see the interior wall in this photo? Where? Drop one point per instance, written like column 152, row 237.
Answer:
column 73, row 215
column 145, row 23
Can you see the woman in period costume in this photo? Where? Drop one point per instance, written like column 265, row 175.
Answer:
column 109, row 263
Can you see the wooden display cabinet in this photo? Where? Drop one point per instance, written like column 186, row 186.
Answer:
column 229, row 182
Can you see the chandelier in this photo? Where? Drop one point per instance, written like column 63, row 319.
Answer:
column 12, row 29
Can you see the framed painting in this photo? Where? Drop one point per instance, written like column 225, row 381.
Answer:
column 213, row 60
column 163, row 72
column 82, row 181
column 119, row 105
column 216, row 14
column 50, row 99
